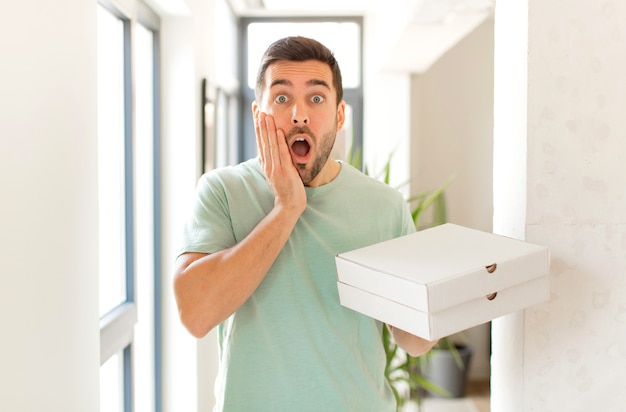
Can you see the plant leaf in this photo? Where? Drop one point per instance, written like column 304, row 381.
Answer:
column 420, row 381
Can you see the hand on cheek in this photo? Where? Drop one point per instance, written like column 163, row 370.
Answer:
column 267, row 136
column 280, row 172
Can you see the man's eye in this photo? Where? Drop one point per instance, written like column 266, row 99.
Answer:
column 281, row 98
column 317, row 99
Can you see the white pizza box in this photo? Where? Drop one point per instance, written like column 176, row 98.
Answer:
column 440, row 281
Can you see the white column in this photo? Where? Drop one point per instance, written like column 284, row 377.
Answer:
column 509, row 187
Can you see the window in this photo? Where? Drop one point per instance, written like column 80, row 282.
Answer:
column 111, row 383
column 146, row 357
column 111, row 159
column 128, row 182
column 342, row 35
column 116, row 280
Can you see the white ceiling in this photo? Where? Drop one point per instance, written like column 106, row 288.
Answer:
column 432, row 26
column 421, row 44
column 430, row 7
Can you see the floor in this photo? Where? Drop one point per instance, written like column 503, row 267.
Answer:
column 477, row 400
column 479, row 392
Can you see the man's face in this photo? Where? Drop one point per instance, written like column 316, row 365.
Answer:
column 301, row 98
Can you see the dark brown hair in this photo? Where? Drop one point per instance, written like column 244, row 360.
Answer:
column 299, row 49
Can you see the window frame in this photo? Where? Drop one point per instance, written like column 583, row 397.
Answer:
column 151, row 21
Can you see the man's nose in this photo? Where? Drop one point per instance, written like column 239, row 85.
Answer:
column 299, row 114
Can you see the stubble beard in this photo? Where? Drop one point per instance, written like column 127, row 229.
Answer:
column 308, row 174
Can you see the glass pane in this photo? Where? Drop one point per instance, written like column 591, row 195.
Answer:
column 112, row 384
column 143, row 355
column 342, row 38
column 111, row 160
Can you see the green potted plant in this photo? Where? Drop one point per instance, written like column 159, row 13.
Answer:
column 411, row 378
column 446, row 366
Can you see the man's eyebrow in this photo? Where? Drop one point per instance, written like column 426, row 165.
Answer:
column 283, row 82
column 318, row 82
column 312, row 82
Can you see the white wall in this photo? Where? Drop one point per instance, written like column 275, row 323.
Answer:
column 571, row 351
column 452, row 128
column 49, row 350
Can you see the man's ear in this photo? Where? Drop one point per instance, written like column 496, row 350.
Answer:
column 341, row 114
column 255, row 110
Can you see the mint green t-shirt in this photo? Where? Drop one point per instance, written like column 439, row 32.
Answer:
column 292, row 346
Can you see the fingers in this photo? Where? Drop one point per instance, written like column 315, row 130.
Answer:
column 260, row 120
column 272, row 142
column 273, row 149
column 283, row 148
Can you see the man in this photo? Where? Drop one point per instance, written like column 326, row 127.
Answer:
column 258, row 254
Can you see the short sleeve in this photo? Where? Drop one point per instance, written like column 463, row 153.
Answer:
column 209, row 228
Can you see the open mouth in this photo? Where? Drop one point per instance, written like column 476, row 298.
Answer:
column 300, row 147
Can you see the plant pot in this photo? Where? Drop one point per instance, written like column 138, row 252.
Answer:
column 442, row 369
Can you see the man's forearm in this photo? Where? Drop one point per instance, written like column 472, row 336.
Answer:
column 209, row 288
